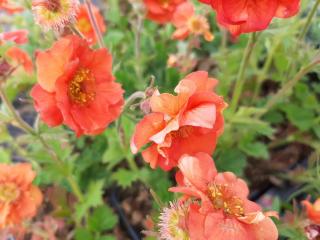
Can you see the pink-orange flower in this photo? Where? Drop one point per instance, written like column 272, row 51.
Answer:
column 76, row 87
column 188, row 122
column 20, row 57
column 161, row 11
column 313, row 210
column 84, row 25
column 19, row 36
column 54, row 14
column 244, row 16
column 187, row 22
column 19, row 199
column 225, row 212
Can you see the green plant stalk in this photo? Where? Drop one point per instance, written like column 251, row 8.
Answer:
column 28, row 129
column 264, row 71
column 304, row 31
column 309, row 20
column 242, row 71
column 287, row 87
column 94, row 23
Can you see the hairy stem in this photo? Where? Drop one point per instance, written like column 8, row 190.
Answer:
column 94, row 23
column 242, row 71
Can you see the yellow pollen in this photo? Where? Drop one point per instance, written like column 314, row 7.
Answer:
column 196, row 25
column 8, row 192
column 223, row 200
column 81, row 87
column 183, row 132
column 84, row 25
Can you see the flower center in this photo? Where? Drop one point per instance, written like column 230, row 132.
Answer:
column 81, row 87
column 84, row 25
column 165, row 3
column 51, row 5
column 223, row 199
column 182, row 132
column 8, row 192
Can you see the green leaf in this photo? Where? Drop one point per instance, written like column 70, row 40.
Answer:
column 102, row 219
column 83, row 234
column 108, row 237
column 4, row 156
column 232, row 160
column 255, row 149
column 302, row 118
column 93, row 198
column 125, row 177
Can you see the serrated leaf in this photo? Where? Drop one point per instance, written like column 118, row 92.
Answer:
column 302, row 118
column 255, row 149
column 93, row 198
column 232, row 160
column 125, row 177
column 102, row 219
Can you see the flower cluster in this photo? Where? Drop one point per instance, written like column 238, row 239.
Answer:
column 181, row 14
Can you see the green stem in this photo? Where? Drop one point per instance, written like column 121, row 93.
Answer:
column 309, row 20
column 303, row 33
column 132, row 164
column 94, row 23
column 265, row 71
column 241, row 75
column 28, row 129
column 288, row 86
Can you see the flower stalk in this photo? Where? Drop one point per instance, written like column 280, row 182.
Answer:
column 242, row 72
column 94, row 23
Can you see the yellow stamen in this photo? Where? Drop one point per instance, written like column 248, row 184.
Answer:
column 80, row 88
column 8, row 193
column 222, row 199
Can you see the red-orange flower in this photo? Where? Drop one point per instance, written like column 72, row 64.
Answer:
column 313, row 210
column 187, row 22
column 225, row 212
column 188, row 122
column 244, row 16
column 9, row 8
column 161, row 11
column 19, row 36
column 19, row 199
column 76, row 87
column 20, row 57
column 84, row 25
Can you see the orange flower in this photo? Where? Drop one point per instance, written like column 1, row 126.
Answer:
column 186, row 22
column 84, row 25
column 19, row 199
column 189, row 122
column 161, row 11
column 11, row 9
column 225, row 212
column 19, row 36
column 21, row 57
column 313, row 210
column 76, row 87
